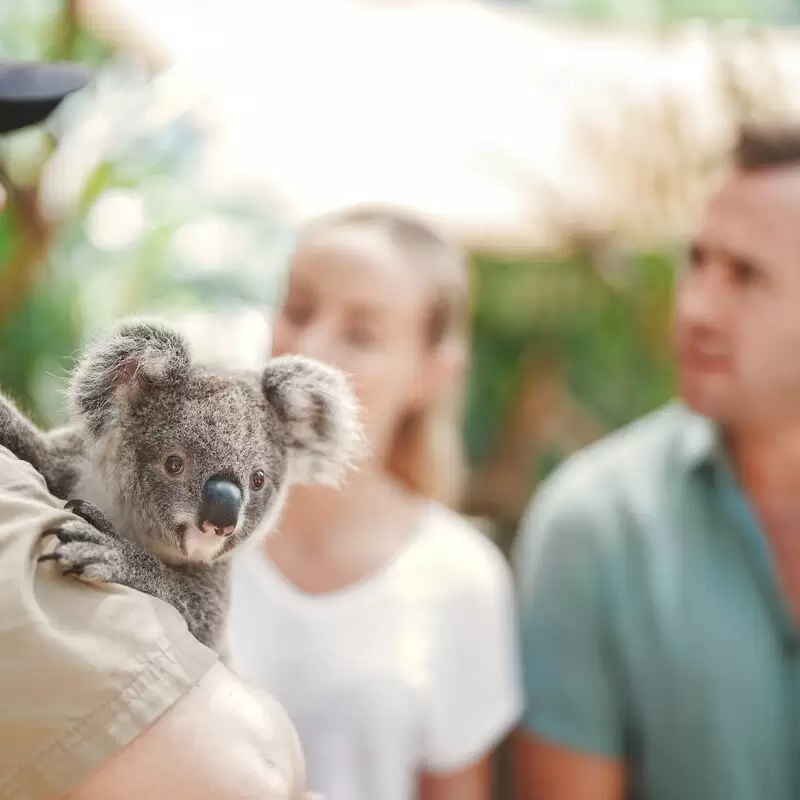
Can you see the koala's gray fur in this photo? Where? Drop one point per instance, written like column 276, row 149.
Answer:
column 136, row 398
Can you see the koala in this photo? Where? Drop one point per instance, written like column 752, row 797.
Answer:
column 170, row 467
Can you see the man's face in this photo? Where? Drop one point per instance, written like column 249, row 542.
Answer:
column 738, row 302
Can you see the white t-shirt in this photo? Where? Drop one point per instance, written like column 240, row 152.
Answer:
column 412, row 669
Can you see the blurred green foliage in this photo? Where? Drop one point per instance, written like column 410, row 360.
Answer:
column 613, row 341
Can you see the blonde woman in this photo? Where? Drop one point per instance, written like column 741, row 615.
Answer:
column 381, row 620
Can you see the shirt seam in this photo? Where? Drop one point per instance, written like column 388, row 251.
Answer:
column 164, row 678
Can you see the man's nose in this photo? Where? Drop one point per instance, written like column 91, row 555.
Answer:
column 701, row 297
column 220, row 504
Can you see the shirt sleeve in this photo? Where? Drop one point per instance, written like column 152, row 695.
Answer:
column 477, row 693
column 84, row 669
column 572, row 695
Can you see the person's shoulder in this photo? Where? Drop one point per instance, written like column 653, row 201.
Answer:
column 582, row 504
column 623, row 462
column 461, row 556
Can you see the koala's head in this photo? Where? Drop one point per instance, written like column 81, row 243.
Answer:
column 192, row 461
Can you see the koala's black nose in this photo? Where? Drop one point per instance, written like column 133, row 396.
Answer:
column 219, row 505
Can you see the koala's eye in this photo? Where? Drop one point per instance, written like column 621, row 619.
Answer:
column 259, row 479
column 174, row 465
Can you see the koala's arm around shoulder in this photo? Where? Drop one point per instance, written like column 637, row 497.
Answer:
column 19, row 435
column 53, row 455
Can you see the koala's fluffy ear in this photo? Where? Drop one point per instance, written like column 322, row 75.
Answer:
column 134, row 355
column 321, row 415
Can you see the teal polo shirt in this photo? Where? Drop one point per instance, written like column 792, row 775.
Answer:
column 653, row 628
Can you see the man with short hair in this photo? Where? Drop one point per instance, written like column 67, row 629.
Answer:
column 103, row 692
column 659, row 569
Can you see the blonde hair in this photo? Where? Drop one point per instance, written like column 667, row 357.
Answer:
column 427, row 454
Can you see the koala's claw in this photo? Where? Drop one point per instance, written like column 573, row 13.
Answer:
column 85, row 552
column 91, row 513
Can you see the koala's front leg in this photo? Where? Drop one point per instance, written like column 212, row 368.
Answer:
column 90, row 549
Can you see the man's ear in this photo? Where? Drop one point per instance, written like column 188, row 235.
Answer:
column 133, row 356
column 321, row 415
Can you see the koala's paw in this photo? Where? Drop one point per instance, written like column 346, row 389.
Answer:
column 86, row 553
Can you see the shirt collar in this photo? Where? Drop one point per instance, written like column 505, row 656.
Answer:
column 703, row 442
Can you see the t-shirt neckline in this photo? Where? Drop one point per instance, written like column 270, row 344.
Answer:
column 353, row 591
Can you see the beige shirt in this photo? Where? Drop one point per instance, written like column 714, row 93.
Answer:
column 83, row 669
